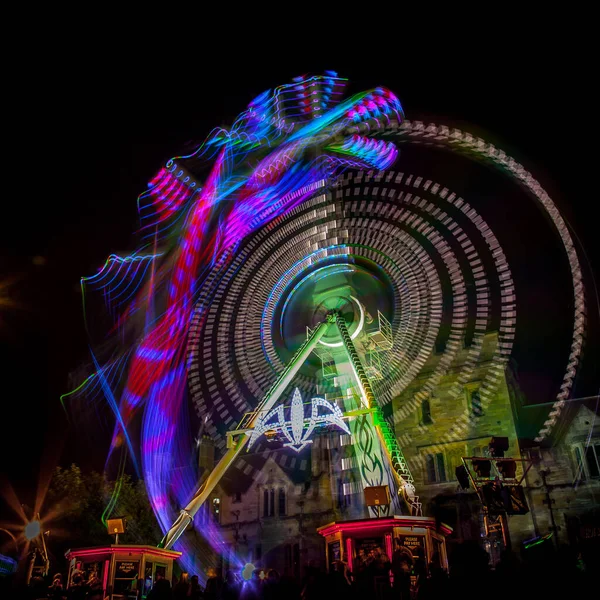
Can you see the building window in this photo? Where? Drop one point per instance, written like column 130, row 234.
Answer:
column 282, row 501
column 426, row 413
column 475, row 403
column 535, row 455
column 435, row 468
column 430, row 468
column 588, row 461
column 257, row 552
column 268, row 503
column 454, row 461
column 237, row 498
column 592, row 460
column 441, row 471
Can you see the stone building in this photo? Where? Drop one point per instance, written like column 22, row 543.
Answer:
column 563, row 484
column 273, row 521
column 433, row 454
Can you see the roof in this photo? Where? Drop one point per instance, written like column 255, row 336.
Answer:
column 236, row 481
column 530, row 418
column 361, row 525
column 122, row 549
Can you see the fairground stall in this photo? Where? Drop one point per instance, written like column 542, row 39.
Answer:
column 419, row 535
column 126, row 571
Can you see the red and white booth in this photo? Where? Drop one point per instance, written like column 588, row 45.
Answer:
column 127, row 571
column 420, row 535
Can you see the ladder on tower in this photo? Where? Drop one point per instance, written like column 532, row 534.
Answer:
column 399, row 463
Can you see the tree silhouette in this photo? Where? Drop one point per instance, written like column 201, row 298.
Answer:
column 79, row 500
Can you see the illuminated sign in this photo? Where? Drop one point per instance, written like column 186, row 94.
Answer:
column 413, row 543
column 126, row 569
column 298, row 429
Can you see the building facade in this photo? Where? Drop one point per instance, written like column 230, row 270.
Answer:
column 434, row 454
column 273, row 521
column 562, row 485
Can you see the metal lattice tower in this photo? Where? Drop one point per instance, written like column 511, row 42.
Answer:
column 386, row 433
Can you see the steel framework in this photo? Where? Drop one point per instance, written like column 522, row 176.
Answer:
column 238, row 438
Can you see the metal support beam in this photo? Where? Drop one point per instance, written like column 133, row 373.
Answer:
column 186, row 515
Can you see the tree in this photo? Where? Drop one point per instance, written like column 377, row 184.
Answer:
column 133, row 503
column 79, row 501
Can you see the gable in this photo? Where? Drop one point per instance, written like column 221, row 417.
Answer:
column 583, row 423
column 255, row 474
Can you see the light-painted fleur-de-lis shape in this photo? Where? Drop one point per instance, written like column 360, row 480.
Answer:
column 294, row 430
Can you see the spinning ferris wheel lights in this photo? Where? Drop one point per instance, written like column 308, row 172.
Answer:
column 254, row 212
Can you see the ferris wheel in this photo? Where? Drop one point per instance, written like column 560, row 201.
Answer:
column 311, row 261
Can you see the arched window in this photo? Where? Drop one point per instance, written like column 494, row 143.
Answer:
column 272, row 504
column 281, row 501
column 435, row 469
column 266, row 503
column 426, row 413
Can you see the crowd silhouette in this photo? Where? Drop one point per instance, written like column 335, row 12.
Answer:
column 545, row 572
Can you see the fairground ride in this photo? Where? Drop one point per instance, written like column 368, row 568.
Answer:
column 266, row 273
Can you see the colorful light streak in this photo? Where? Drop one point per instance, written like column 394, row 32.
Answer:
column 119, row 279
column 464, row 142
column 536, row 541
column 8, row 565
column 284, row 143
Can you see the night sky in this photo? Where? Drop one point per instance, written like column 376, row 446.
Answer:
column 92, row 126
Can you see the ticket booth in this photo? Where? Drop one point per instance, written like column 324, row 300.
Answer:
column 345, row 539
column 127, row 572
